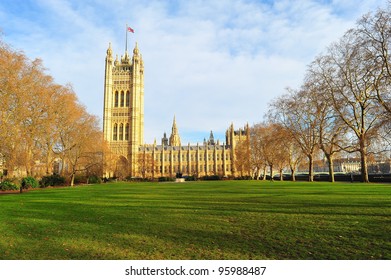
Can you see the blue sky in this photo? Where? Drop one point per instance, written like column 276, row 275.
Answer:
column 210, row 63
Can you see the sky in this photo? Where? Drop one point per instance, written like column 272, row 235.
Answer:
column 208, row 62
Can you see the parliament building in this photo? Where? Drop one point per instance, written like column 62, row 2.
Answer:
column 123, row 128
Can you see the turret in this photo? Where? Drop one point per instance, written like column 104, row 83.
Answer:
column 136, row 52
column 108, row 91
column 125, row 59
column 175, row 140
column 165, row 140
column 109, row 54
column 136, row 59
column 211, row 138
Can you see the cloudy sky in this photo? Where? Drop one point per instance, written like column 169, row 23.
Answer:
column 210, row 63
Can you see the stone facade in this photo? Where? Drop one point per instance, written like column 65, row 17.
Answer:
column 206, row 159
column 123, row 114
column 123, row 129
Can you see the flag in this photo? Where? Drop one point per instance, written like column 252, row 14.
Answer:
column 130, row 29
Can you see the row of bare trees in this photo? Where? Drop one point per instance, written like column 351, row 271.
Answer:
column 41, row 121
column 344, row 104
column 270, row 148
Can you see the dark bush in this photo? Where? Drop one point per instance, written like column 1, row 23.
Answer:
column 189, row 178
column 166, row 179
column 80, row 179
column 7, row 185
column 380, row 178
column 110, row 179
column 243, row 178
column 29, row 182
column 94, row 180
column 136, row 179
column 211, row 178
column 52, row 180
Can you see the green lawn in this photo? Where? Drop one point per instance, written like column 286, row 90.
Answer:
column 199, row 220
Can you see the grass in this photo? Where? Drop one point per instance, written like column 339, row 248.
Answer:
column 199, row 220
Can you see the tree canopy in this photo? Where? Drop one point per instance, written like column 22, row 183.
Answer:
column 41, row 121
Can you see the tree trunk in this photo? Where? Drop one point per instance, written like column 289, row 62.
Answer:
column 364, row 165
column 257, row 173
column 264, row 173
column 310, row 168
column 293, row 176
column 330, row 162
column 72, row 179
column 281, row 175
column 271, row 171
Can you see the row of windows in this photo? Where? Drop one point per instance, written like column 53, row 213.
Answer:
column 121, row 99
column 120, row 114
column 192, row 169
column 117, row 71
column 121, row 132
column 122, row 82
column 193, row 157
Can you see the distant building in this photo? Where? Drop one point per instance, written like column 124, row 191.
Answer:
column 353, row 165
column 123, row 129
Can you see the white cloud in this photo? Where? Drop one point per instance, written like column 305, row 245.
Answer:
column 209, row 62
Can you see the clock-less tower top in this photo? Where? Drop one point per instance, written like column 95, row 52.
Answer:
column 123, row 112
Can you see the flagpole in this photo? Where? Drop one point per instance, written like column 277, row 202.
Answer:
column 126, row 43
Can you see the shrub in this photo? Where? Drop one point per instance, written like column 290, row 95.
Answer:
column 137, row 179
column 29, row 182
column 80, row 179
column 211, row 178
column 7, row 185
column 52, row 180
column 190, row 178
column 94, row 180
column 110, row 179
column 166, row 179
column 243, row 178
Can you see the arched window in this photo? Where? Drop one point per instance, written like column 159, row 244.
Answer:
column 116, row 99
column 122, row 99
column 127, row 132
column 121, row 132
column 127, row 98
column 115, row 129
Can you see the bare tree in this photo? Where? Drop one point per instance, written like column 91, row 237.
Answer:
column 80, row 141
column 331, row 129
column 295, row 156
column 296, row 113
column 242, row 157
column 349, row 75
column 11, row 70
column 269, row 148
column 257, row 144
column 285, row 156
column 373, row 35
column 40, row 120
column 146, row 164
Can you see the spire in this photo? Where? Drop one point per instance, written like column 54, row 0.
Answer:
column 109, row 55
column 211, row 138
column 125, row 59
column 135, row 50
column 109, row 51
column 165, row 140
column 175, row 140
column 136, row 59
column 174, row 128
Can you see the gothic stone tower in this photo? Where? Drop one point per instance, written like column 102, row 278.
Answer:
column 123, row 113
